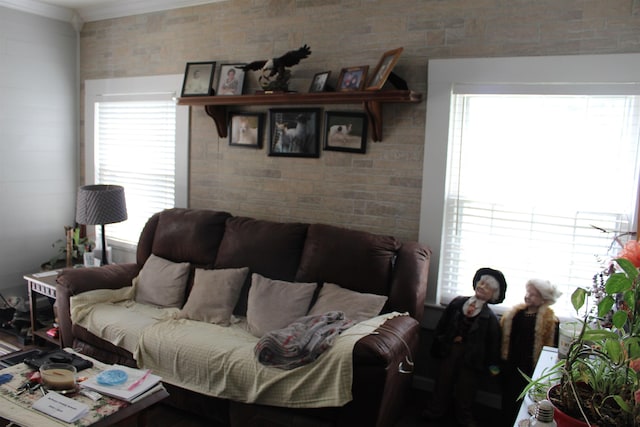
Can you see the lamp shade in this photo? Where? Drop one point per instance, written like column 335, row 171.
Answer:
column 100, row 204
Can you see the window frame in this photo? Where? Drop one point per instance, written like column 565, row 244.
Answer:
column 162, row 87
column 621, row 70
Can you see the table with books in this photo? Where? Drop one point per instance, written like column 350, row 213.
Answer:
column 140, row 390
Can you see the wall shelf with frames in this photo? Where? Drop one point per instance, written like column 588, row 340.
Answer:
column 372, row 101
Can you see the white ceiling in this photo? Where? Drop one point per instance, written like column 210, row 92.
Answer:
column 80, row 11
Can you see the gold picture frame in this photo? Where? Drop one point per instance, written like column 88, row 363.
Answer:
column 383, row 69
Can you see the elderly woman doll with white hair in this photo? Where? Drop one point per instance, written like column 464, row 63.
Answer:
column 526, row 328
column 467, row 342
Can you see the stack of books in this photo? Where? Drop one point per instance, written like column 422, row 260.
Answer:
column 138, row 384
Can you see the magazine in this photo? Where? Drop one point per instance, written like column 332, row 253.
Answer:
column 138, row 381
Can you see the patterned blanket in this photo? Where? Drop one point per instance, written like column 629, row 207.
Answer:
column 302, row 341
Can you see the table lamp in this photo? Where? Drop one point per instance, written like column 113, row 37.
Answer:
column 100, row 205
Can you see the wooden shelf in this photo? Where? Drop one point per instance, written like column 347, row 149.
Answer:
column 216, row 106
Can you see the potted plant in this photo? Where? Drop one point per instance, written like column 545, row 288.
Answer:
column 599, row 381
column 69, row 250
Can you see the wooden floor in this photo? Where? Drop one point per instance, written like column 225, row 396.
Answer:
column 165, row 416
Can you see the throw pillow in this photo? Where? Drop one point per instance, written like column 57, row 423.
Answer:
column 356, row 306
column 161, row 282
column 214, row 295
column 275, row 304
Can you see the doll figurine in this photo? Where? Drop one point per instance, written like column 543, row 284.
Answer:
column 467, row 342
column 526, row 328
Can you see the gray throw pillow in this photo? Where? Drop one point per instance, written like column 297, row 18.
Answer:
column 275, row 304
column 356, row 306
column 214, row 295
column 161, row 282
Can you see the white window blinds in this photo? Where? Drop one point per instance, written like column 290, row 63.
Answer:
column 528, row 178
column 135, row 146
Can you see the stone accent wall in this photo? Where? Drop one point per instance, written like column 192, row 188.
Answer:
column 380, row 190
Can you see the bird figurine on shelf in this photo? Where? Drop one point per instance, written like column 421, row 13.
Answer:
column 274, row 75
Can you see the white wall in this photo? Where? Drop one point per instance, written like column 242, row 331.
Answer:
column 38, row 141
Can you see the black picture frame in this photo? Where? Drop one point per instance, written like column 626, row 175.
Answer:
column 198, row 79
column 294, row 132
column 231, row 86
column 345, row 131
column 383, row 69
column 245, row 129
column 352, row 78
column 319, row 82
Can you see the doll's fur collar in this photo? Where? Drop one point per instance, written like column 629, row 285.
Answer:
column 545, row 329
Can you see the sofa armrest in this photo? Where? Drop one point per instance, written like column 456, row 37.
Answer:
column 383, row 371
column 385, row 345
column 74, row 281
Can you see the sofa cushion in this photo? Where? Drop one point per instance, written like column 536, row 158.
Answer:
column 161, row 282
column 214, row 295
column 271, row 249
column 356, row 260
column 183, row 235
column 356, row 306
column 275, row 304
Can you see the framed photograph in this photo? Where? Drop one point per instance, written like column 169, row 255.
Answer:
column 319, row 82
column 231, row 79
column 294, row 132
column 353, row 78
column 383, row 69
column 245, row 129
column 345, row 132
column 198, row 79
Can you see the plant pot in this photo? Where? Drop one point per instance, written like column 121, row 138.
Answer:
column 561, row 418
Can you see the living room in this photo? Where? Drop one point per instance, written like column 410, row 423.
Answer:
column 43, row 134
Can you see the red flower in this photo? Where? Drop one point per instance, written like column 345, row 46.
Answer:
column 635, row 365
column 631, row 252
column 637, row 396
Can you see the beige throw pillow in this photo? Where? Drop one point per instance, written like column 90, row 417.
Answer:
column 275, row 304
column 355, row 305
column 161, row 282
column 214, row 295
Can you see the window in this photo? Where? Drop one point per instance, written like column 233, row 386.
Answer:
column 530, row 169
column 137, row 138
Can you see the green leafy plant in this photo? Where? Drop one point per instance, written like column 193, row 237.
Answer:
column 60, row 245
column 599, row 381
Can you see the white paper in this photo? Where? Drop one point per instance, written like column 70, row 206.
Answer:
column 46, row 273
column 61, row 407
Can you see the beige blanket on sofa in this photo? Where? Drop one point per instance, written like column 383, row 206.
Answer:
column 216, row 360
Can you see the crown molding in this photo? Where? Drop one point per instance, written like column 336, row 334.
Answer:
column 42, row 9
column 107, row 10
column 120, row 8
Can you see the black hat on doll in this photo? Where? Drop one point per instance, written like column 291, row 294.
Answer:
column 496, row 274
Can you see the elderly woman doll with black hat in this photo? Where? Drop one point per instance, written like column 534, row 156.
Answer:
column 467, row 340
column 526, row 328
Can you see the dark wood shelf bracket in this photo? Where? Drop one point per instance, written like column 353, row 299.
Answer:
column 219, row 115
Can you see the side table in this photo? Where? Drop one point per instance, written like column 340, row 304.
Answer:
column 43, row 283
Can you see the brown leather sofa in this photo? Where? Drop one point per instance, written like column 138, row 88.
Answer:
column 356, row 260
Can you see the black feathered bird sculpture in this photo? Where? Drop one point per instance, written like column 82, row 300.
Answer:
column 274, row 75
